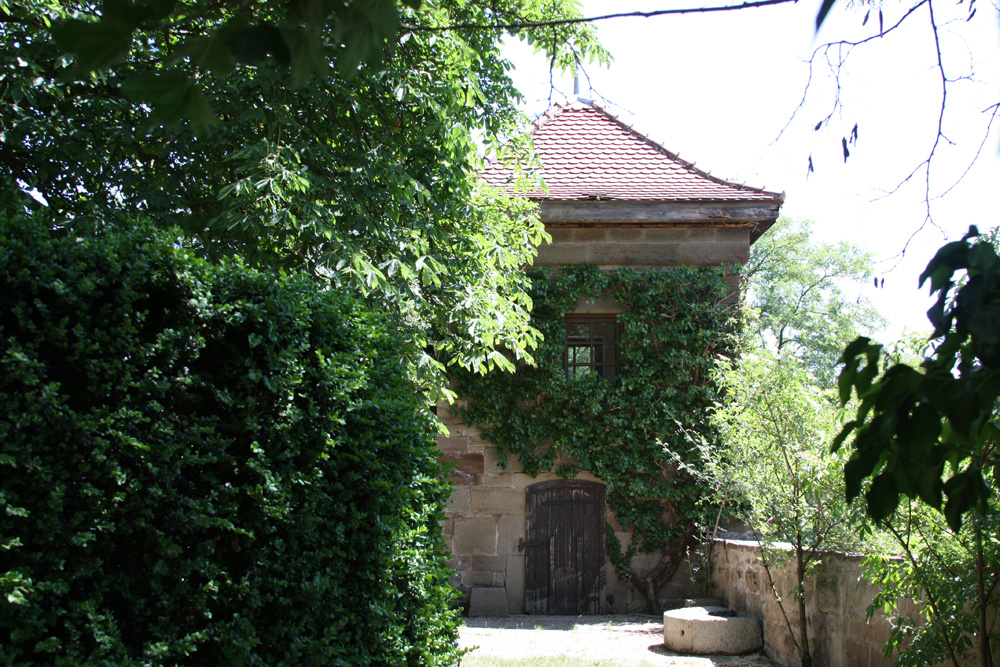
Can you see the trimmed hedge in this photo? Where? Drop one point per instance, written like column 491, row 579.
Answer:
column 202, row 464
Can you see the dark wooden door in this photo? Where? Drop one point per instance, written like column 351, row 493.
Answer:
column 565, row 557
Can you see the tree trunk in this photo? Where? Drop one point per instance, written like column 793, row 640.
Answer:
column 985, row 657
column 805, row 655
column 671, row 557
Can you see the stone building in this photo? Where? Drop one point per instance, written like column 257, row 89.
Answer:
column 615, row 199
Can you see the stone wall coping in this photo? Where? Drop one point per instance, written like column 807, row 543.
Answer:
column 788, row 546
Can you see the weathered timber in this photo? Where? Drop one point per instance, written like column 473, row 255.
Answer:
column 637, row 212
column 565, row 551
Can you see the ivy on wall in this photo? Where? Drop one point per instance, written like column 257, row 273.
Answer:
column 634, row 433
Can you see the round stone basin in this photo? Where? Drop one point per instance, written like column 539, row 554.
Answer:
column 710, row 631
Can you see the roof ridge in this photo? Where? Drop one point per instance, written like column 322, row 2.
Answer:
column 547, row 116
column 558, row 108
column 690, row 166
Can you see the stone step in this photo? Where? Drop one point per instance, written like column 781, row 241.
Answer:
column 488, row 602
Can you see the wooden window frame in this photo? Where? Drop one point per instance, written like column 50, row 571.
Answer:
column 607, row 370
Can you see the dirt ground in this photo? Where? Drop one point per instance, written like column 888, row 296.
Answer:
column 629, row 640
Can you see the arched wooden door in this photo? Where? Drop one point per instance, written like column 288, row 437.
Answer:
column 565, row 556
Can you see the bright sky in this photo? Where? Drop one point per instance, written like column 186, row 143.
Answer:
column 719, row 88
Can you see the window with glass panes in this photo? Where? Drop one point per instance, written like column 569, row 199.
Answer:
column 591, row 346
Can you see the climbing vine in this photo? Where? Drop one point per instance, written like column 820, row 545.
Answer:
column 639, row 433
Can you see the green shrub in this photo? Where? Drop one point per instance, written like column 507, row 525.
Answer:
column 206, row 465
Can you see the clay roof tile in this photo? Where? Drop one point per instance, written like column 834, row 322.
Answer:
column 584, row 149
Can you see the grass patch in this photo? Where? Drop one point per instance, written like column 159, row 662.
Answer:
column 540, row 661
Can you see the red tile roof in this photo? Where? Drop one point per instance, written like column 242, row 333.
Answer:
column 586, row 153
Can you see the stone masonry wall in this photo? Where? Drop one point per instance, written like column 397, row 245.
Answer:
column 650, row 247
column 836, row 601
column 485, row 525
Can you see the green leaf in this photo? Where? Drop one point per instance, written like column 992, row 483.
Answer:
column 174, row 97
column 823, row 11
column 929, row 485
column 363, row 30
column 855, row 472
column 966, row 491
column 252, row 45
column 847, row 377
column 309, row 58
column 210, row 53
column 157, row 10
column 96, row 46
column 844, row 433
column 942, row 266
column 882, row 497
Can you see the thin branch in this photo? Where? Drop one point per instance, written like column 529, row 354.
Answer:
column 925, row 165
column 919, row 573
column 835, row 55
column 552, row 70
column 822, row 534
column 994, row 111
column 825, row 49
column 527, row 25
column 774, row 592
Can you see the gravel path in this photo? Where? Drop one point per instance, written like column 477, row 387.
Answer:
column 629, row 640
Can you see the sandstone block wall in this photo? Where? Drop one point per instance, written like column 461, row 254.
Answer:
column 485, row 525
column 650, row 247
column 836, row 601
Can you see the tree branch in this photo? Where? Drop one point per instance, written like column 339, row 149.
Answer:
column 834, row 55
column 774, row 592
column 929, row 596
column 527, row 25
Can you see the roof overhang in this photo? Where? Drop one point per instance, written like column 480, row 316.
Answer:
column 757, row 215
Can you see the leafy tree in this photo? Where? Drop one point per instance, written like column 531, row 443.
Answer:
column 925, row 559
column 797, row 283
column 779, row 415
column 774, row 467
column 930, row 433
column 363, row 174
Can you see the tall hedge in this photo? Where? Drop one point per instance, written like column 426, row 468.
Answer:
column 206, row 465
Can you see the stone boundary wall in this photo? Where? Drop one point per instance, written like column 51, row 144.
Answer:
column 836, row 602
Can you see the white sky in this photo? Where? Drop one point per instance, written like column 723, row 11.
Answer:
column 719, row 88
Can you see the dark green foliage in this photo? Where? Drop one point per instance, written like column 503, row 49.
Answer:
column 634, row 433
column 931, row 433
column 944, row 570
column 291, row 34
column 206, row 465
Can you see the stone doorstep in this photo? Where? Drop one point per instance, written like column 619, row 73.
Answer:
column 488, row 602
